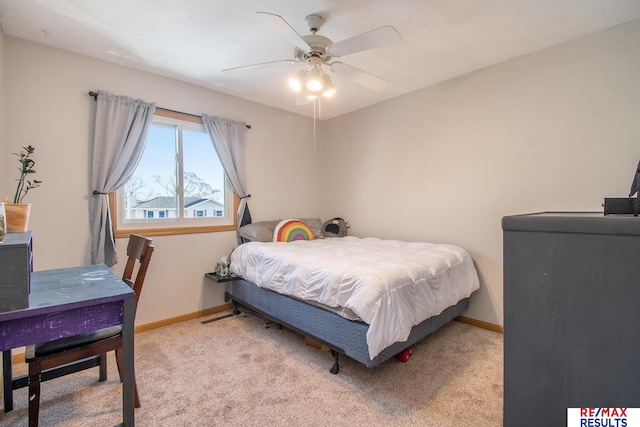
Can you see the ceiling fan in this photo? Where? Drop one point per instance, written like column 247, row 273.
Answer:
column 315, row 51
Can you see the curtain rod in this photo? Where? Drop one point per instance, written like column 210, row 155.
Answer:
column 95, row 98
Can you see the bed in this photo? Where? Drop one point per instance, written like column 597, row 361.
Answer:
column 366, row 298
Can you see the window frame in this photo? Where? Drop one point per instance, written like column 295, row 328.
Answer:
column 169, row 230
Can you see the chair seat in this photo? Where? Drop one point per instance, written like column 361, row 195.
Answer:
column 68, row 343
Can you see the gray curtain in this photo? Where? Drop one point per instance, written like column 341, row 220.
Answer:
column 228, row 138
column 121, row 128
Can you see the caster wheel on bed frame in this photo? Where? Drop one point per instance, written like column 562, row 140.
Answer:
column 404, row 356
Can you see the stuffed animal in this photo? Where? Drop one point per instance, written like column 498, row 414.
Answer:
column 335, row 227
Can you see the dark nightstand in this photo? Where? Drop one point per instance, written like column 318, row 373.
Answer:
column 214, row 276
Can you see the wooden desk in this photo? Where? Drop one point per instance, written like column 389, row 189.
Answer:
column 66, row 302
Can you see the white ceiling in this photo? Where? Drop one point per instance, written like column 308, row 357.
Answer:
column 193, row 40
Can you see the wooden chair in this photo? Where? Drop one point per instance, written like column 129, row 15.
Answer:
column 60, row 357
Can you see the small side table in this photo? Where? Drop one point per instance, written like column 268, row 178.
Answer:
column 214, row 276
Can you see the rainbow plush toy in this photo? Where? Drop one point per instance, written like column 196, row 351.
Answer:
column 289, row 230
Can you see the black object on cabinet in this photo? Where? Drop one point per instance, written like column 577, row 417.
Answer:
column 15, row 271
column 571, row 315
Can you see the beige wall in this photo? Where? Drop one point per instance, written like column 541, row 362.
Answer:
column 557, row 130
column 48, row 107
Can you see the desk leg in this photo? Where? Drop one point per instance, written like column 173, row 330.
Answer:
column 128, row 372
column 7, row 378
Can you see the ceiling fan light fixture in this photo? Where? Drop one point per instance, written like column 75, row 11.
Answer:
column 327, row 87
column 295, row 82
column 314, row 79
column 311, row 94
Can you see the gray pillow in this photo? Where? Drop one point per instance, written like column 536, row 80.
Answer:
column 261, row 231
column 315, row 224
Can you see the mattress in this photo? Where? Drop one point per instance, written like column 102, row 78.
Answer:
column 390, row 285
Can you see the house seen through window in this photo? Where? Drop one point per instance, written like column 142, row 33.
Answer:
column 179, row 182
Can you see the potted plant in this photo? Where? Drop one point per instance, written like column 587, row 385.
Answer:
column 17, row 213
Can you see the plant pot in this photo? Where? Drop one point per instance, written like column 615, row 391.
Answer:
column 17, row 216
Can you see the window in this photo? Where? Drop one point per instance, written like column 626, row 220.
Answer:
column 179, row 186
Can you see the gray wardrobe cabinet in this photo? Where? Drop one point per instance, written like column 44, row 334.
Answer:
column 571, row 315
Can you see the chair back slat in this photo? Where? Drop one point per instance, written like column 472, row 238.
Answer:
column 139, row 249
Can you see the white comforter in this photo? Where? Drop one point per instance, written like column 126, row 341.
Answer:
column 390, row 284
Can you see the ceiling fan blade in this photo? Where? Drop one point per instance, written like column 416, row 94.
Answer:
column 259, row 65
column 285, row 30
column 365, row 41
column 359, row 76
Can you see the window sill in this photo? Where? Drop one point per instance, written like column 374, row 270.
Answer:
column 120, row 234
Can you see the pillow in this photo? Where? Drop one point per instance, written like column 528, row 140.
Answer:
column 289, row 230
column 261, row 231
column 315, row 224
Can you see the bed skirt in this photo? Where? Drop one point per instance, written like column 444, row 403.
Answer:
column 341, row 335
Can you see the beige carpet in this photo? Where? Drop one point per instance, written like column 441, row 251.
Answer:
column 236, row 372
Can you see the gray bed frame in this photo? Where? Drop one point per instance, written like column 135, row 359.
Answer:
column 341, row 335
